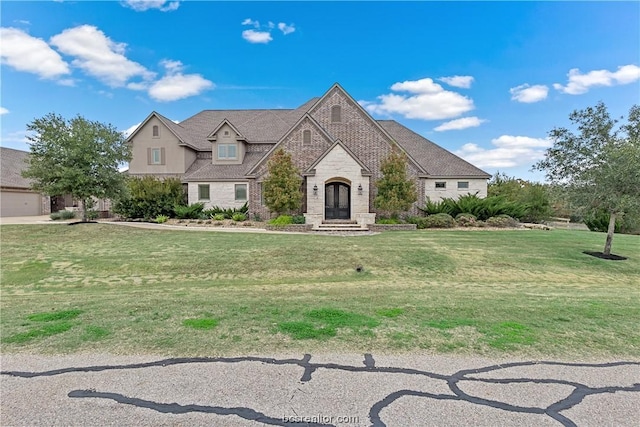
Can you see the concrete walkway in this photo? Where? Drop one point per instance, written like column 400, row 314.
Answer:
column 323, row 390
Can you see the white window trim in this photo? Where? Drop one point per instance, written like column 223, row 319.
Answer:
column 153, row 156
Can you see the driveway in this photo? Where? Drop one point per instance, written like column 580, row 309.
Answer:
column 319, row 390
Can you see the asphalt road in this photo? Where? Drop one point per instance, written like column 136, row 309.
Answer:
column 322, row 390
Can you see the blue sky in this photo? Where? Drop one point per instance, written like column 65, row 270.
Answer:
column 487, row 81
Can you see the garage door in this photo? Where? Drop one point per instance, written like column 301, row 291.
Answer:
column 19, row 204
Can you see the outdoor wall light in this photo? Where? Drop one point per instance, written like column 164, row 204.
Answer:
column 360, row 189
column 315, row 190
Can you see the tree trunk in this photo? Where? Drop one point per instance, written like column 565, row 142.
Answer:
column 84, row 210
column 610, row 231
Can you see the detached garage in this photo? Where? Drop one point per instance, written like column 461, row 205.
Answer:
column 16, row 199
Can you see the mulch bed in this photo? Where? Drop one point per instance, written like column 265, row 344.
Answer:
column 600, row 255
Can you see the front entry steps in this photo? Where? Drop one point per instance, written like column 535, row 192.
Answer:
column 339, row 225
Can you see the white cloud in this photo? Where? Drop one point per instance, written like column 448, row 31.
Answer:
column 3, row 111
column 286, row 29
column 143, row 5
column 249, row 21
column 581, row 83
column 99, row 56
column 253, row 36
column 462, row 123
column 33, row 55
column 529, row 94
column 510, row 151
column 458, row 81
column 22, row 21
column 130, row 130
column 428, row 101
column 176, row 85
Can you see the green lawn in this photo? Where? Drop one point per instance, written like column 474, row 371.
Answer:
column 115, row 289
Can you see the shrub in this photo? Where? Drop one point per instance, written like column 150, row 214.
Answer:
column 65, row 214
column 282, row 220
column 220, row 214
column 192, row 211
column 419, row 221
column 160, row 219
column 441, row 220
column 92, row 214
column 149, row 197
column 298, row 219
column 239, row 217
column 502, row 221
column 472, row 204
column 598, row 220
column 466, row 220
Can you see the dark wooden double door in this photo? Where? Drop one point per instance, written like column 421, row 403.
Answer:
column 337, row 201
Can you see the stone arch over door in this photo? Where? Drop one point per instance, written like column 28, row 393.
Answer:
column 337, row 199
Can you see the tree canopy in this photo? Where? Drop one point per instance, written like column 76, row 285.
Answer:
column 282, row 186
column 396, row 192
column 598, row 164
column 77, row 157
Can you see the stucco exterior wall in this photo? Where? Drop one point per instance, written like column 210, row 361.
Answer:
column 231, row 138
column 177, row 159
column 451, row 191
column 221, row 194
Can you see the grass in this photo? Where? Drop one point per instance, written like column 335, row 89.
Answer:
column 127, row 291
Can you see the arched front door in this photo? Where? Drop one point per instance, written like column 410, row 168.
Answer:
column 337, row 201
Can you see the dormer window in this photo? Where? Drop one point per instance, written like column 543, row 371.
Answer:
column 227, row 151
column 336, row 114
column 156, row 131
column 306, row 137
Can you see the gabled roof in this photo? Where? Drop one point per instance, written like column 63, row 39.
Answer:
column 368, row 116
column 176, row 129
column 436, row 161
column 12, row 163
column 306, row 116
column 257, row 126
column 212, row 135
column 311, row 169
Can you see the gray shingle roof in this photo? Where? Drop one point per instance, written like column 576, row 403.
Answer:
column 435, row 160
column 258, row 126
column 204, row 170
column 12, row 163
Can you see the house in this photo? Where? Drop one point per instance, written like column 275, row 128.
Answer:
column 18, row 199
column 221, row 156
column 16, row 196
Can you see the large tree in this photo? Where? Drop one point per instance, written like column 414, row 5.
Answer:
column 598, row 166
column 77, row 157
column 281, row 188
column 396, row 192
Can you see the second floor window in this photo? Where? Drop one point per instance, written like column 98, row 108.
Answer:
column 227, row 151
column 156, row 132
